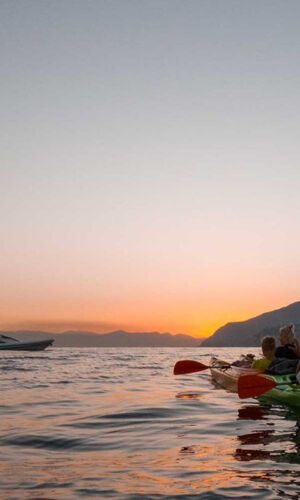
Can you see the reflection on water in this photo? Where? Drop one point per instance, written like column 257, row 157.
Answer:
column 252, row 412
column 189, row 395
column 280, row 443
column 274, row 443
column 116, row 423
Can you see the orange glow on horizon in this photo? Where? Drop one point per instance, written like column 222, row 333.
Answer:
column 194, row 308
column 181, row 321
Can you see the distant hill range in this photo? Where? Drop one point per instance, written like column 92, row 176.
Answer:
column 249, row 333
column 113, row 339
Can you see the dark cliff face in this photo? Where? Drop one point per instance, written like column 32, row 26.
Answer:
column 248, row 333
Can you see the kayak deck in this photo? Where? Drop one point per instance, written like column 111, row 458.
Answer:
column 227, row 376
column 287, row 392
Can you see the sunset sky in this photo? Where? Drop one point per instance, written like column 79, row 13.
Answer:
column 150, row 173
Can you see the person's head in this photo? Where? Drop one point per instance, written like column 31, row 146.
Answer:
column 287, row 334
column 268, row 346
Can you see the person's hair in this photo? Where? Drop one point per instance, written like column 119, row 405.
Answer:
column 288, row 332
column 268, row 344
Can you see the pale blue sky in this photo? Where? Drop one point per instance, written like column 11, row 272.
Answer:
column 149, row 161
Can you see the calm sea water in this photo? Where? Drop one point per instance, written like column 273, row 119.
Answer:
column 115, row 423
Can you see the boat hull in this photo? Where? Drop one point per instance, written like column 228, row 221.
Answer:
column 287, row 393
column 227, row 377
column 34, row 345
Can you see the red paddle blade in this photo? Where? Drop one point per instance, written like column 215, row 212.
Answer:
column 187, row 366
column 250, row 386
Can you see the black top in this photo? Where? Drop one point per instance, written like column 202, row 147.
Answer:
column 285, row 351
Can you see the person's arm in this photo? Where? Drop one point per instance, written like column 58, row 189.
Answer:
column 296, row 348
column 278, row 351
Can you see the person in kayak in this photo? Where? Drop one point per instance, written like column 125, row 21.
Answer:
column 289, row 348
column 268, row 347
column 287, row 355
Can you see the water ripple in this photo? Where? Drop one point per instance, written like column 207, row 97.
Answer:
column 116, row 423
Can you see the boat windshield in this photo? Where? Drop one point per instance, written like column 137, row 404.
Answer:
column 4, row 339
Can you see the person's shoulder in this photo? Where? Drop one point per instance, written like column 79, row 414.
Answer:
column 280, row 349
column 285, row 351
column 283, row 348
column 261, row 364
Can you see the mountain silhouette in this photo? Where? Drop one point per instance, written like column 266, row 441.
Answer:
column 248, row 333
column 118, row 338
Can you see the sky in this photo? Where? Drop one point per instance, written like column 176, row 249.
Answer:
column 149, row 163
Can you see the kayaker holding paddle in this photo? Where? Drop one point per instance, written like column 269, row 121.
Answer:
column 283, row 359
column 282, row 372
column 287, row 355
